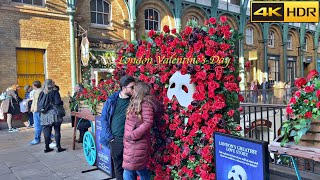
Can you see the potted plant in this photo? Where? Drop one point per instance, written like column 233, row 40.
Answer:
column 303, row 110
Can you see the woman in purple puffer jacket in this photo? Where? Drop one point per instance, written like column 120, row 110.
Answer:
column 143, row 110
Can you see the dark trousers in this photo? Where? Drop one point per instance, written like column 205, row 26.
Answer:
column 116, row 148
column 47, row 129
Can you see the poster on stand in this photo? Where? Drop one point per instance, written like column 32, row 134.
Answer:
column 238, row 158
column 104, row 162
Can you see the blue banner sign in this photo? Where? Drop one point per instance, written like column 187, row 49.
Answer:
column 104, row 162
column 240, row 158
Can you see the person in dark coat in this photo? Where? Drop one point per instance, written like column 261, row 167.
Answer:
column 142, row 111
column 113, row 118
column 84, row 124
column 50, row 118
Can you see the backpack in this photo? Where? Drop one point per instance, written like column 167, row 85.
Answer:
column 3, row 96
column 43, row 103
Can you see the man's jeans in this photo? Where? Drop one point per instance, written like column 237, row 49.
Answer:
column 131, row 175
column 37, row 126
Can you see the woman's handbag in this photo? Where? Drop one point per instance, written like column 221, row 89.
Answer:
column 59, row 110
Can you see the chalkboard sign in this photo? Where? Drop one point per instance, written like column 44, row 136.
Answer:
column 239, row 158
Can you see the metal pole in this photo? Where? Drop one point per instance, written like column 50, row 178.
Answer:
column 71, row 12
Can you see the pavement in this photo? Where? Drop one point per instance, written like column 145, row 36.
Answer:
column 19, row 160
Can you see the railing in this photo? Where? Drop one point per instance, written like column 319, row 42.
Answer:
column 263, row 122
column 268, row 96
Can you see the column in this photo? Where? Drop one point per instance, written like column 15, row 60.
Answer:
column 177, row 14
column 265, row 49
column 132, row 18
column 285, row 32
column 242, row 25
column 316, row 44
column 214, row 8
column 302, row 43
column 71, row 12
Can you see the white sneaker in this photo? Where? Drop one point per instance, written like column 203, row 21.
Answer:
column 52, row 145
column 13, row 130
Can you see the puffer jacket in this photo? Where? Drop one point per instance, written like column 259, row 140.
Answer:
column 137, row 137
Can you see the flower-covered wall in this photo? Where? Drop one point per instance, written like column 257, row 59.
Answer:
column 195, row 74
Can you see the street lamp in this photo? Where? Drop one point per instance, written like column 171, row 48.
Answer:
column 71, row 9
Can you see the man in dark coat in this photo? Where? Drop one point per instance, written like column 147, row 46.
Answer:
column 113, row 118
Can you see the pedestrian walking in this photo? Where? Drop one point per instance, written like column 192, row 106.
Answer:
column 113, row 118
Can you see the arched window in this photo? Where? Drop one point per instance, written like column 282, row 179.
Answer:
column 100, row 12
column 271, row 39
column 289, row 43
column 151, row 19
column 249, row 35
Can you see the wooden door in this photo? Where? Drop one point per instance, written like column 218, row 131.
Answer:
column 30, row 67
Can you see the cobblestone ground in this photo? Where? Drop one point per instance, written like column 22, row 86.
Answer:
column 19, row 160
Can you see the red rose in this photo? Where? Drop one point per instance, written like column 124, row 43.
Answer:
column 313, row 73
column 293, row 100
column 306, row 101
column 212, row 20
column 174, row 31
column 238, row 128
column 318, row 93
column 318, row 105
column 308, row 89
column 166, row 29
column 240, row 97
column 230, row 113
column 300, row 82
column 212, row 31
column 188, row 30
column 298, row 93
column 219, row 72
column 308, row 114
column 289, row 110
column 151, row 33
column 240, row 109
column 223, row 19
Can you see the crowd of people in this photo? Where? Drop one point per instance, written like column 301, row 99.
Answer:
column 44, row 108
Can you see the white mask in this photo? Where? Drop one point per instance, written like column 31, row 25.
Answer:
column 176, row 82
column 236, row 172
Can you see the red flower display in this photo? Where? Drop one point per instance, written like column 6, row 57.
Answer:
column 183, row 140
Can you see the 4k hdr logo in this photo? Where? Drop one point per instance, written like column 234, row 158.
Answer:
column 285, row 11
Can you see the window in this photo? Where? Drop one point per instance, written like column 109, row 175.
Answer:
column 151, row 19
column 249, row 36
column 305, row 44
column 271, row 39
column 100, row 12
column 273, row 68
column 289, row 43
column 31, row 2
column 193, row 18
column 291, row 71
